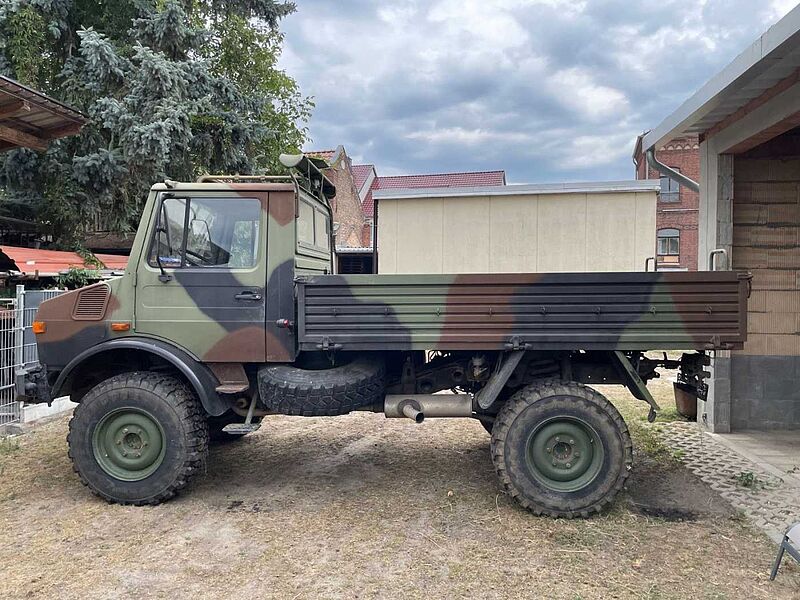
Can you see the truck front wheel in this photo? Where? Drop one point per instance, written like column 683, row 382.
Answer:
column 138, row 438
column 561, row 449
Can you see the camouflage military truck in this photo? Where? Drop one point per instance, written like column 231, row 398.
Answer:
column 228, row 313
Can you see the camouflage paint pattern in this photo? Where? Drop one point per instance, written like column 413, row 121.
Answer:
column 196, row 310
column 547, row 311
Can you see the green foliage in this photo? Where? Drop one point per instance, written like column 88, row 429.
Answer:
column 27, row 34
column 748, row 479
column 77, row 278
column 173, row 89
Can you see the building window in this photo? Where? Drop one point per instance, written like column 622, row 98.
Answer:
column 670, row 189
column 669, row 242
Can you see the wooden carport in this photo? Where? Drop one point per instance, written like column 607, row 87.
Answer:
column 29, row 119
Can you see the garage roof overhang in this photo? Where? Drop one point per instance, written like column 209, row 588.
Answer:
column 29, row 119
column 771, row 62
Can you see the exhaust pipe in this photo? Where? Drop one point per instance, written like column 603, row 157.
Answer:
column 412, row 413
column 418, row 407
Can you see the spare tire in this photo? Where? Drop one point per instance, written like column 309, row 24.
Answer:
column 290, row 390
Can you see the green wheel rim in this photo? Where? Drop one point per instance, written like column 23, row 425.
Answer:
column 129, row 444
column 564, row 454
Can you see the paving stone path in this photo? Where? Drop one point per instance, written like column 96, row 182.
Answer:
column 771, row 502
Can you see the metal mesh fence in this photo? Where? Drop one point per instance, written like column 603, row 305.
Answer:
column 17, row 345
column 10, row 355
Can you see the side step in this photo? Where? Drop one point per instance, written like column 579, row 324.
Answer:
column 241, row 428
column 248, row 426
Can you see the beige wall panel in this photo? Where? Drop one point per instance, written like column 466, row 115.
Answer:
column 419, row 235
column 610, row 238
column 514, row 234
column 465, row 236
column 387, row 240
column 562, row 230
column 645, row 228
column 526, row 233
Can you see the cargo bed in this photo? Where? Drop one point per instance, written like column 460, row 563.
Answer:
column 559, row 311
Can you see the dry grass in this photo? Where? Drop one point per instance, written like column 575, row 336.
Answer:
column 362, row 507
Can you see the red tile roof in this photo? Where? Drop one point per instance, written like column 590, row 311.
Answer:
column 325, row 154
column 443, row 180
column 53, row 262
column 361, row 173
column 433, row 180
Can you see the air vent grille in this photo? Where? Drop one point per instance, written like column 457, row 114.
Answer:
column 91, row 303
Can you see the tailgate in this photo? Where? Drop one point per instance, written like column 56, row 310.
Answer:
column 557, row 311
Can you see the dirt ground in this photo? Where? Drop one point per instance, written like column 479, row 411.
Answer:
column 364, row 507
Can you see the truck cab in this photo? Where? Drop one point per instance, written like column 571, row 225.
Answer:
column 210, row 276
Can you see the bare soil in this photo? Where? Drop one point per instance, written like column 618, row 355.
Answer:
column 364, row 507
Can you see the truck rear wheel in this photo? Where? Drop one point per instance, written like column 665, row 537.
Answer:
column 138, row 438
column 561, row 449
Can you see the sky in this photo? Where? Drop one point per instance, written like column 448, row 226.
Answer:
column 549, row 90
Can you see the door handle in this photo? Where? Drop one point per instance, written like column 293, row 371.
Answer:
column 249, row 296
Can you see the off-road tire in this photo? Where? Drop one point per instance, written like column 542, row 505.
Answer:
column 177, row 412
column 215, row 425
column 290, row 390
column 538, row 404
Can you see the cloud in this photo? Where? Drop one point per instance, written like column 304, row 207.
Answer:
column 577, row 89
column 779, row 8
column 550, row 90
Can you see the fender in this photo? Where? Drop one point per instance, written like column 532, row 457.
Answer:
column 199, row 376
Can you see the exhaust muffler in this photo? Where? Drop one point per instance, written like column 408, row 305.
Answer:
column 418, row 407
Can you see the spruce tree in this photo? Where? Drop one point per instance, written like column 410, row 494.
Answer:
column 173, row 89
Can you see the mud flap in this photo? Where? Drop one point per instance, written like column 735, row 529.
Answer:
column 634, row 383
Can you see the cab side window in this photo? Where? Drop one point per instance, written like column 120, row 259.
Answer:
column 322, row 238
column 312, row 228
column 207, row 232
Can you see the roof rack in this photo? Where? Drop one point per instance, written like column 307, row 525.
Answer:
column 242, row 178
column 312, row 178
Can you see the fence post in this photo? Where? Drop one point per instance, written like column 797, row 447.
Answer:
column 19, row 333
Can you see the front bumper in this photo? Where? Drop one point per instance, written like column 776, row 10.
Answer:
column 31, row 385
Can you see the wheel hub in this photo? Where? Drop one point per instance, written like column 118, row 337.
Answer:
column 564, row 454
column 128, row 444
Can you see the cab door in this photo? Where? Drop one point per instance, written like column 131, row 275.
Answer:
column 201, row 279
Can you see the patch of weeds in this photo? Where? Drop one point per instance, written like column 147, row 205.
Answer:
column 646, row 438
column 749, row 480
column 8, row 445
column 670, row 415
column 576, row 538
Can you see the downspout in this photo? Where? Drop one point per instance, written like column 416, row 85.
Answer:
column 670, row 172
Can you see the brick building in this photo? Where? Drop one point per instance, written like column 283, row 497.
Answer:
column 677, row 215
column 348, row 216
